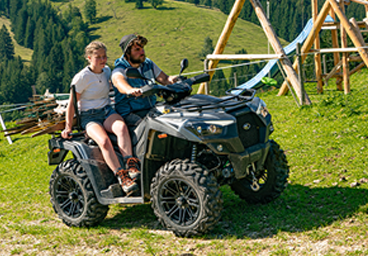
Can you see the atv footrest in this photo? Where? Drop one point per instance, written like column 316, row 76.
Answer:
column 113, row 191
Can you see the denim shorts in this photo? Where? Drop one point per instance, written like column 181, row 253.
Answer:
column 96, row 115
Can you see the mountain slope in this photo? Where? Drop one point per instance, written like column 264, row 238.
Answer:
column 175, row 30
column 25, row 53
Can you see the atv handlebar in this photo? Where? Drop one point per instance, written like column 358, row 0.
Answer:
column 172, row 93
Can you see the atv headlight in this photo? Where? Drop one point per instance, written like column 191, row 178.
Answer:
column 204, row 128
column 262, row 109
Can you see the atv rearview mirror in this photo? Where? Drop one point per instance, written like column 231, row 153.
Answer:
column 134, row 73
column 183, row 65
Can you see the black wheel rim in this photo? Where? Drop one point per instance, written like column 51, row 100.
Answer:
column 69, row 196
column 180, row 202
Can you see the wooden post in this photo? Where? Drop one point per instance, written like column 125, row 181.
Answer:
column 344, row 59
column 309, row 41
column 275, row 43
column 224, row 37
column 4, row 128
column 317, row 45
column 300, row 71
column 235, row 80
column 350, row 31
column 335, row 44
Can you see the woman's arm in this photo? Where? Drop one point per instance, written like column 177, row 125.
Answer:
column 69, row 116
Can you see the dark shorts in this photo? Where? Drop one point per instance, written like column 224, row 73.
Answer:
column 96, row 115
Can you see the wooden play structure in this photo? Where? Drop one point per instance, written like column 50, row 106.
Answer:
column 335, row 8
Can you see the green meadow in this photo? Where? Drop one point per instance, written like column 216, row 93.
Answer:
column 323, row 211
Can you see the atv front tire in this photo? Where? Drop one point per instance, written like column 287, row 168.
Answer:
column 272, row 180
column 72, row 196
column 186, row 198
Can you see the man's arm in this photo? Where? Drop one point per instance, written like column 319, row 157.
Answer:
column 123, row 86
column 164, row 79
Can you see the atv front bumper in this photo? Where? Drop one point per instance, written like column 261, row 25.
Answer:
column 253, row 155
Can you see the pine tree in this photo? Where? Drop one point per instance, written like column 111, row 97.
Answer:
column 156, row 3
column 139, row 4
column 55, row 68
column 90, row 11
column 30, row 28
column 207, row 48
column 218, row 84
column 20, row 25
column 6, row 45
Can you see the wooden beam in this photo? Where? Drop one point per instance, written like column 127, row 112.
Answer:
column 354, row 23
column 333, row 71
column 317, row 46
column 336, row 50
column 309, row 41
column 355, row 59
column 344, row 59
column 243, row 56
column 335, row 44
column 224, row 37
column 278, row 49
column 350, row 31
column 365, row 3
column 357, row 68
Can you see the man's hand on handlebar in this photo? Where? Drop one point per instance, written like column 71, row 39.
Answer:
column 173, row 79
column 134, row 92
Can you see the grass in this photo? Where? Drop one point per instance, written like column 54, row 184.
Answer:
column 25, row 53
column 323, row 211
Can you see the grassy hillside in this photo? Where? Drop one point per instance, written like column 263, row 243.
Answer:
column 25, row 53
column 323, row 211
column 175, row 30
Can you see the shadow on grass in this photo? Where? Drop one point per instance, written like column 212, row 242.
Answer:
column 299, row 209
column 102, row 19
column 93, row 29
column 94, row 37
column 164, row 8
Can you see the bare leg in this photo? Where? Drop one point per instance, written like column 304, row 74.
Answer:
column 115, row 124
column 99, row 135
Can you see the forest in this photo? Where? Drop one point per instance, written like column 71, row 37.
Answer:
column 58, row 40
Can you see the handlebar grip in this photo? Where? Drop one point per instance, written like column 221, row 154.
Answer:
column 76, row 134
column 200, row 78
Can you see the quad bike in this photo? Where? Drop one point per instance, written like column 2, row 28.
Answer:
column 194, row 145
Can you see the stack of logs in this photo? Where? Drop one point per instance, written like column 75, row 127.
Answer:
column 46, row 115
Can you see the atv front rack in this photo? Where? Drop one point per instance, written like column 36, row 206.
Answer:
column 226, row 103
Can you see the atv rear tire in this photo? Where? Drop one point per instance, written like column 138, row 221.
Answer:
column 72, row 196
column 272, row 180
column 186, row 198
